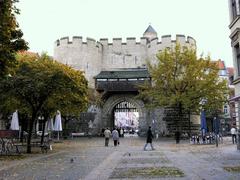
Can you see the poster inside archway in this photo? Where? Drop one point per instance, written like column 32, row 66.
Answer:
column 126, row 116
column 126, row 119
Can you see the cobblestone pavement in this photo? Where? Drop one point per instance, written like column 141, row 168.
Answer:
column 84, row 158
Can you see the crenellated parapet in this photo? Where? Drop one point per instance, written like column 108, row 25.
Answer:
column 93, row 56
column 77, row 41
column 182, row 39
column 130, row 41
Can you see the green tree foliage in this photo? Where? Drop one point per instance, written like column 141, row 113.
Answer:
column 72, row 102
column 10, row 36
column 182, row 80
column 44, row 85
column 95, row 98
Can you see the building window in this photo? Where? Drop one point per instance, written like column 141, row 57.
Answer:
column 238, row 7
column 112, row 79
column 237, row 51
column 225, row 109
column 112, row 60
column 132, row 79
column 136, row 59
column 238, row 65
column 234, row 9
column 124, row 60
column 101, row 79
column 223, row 72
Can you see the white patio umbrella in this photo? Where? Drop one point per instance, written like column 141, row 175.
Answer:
column 58, row 123
column 15, row 121
column 50, row 127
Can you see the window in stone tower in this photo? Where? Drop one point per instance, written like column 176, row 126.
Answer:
column 112, row 60
column 124, row 60
column 101, row 79
column 136, row 59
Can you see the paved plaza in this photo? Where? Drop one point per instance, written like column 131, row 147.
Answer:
column 87, row 158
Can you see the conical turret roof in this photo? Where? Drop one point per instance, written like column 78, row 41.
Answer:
column 150, row 33
column 150, row 30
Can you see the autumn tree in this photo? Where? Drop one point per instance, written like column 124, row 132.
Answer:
column 44, row 85
column 10, row 36
column 182, row 80
column 71, row 103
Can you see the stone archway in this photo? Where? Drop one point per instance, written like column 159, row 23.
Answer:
column 112, row 101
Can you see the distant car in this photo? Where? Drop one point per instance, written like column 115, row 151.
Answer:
column 131, row 131
column 39, row 133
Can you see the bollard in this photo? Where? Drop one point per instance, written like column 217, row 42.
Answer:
column 238, row 140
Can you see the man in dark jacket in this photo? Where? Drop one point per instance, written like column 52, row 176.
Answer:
column 177, row 137
column 149, row 139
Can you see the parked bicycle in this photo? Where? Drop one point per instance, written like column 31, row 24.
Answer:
column 6, row 146
column 6, row 141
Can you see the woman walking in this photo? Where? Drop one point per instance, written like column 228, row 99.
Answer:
column 115, row 136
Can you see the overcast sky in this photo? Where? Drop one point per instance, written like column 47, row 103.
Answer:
column 45, row 21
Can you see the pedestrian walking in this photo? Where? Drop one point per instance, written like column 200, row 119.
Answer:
column 177, row 137
column 149, row 139
column 210, row 137
column 121, row 132
column 102, row 132
column 193, row 139
column 198, row 139
column 233, row 133
column 115, row 136
column 204, row 139
column 107, row 134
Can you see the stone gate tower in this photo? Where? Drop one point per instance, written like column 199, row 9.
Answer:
column 114, row 68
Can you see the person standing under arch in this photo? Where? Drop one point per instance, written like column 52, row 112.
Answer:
column 115, row 136
column 107, row 134
column 121, row 132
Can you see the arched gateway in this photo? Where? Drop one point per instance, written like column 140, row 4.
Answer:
column 113, row 101
column 119, row 89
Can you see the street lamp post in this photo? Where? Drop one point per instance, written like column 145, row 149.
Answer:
column 216, row 129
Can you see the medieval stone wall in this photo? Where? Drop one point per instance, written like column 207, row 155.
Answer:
column 94, row 56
